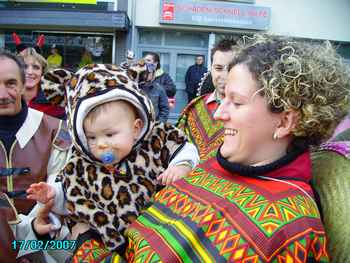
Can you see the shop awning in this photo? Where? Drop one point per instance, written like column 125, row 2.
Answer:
column 64, row 19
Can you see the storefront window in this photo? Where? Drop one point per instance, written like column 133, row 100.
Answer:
column 74, row 48
column 150, row 37
column 188, row 39
column 173, row 38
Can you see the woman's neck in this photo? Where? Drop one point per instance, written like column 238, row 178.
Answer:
column 262, row 167
column 30, row 93
column 270, row 157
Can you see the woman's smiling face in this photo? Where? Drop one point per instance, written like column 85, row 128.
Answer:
column 34, row 71
column 249, row 124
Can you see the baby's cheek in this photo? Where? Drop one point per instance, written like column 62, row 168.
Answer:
column 94, row 151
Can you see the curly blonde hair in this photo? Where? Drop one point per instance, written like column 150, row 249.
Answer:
column 295, row 75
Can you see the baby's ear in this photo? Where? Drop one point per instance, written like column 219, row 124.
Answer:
column 138, row 125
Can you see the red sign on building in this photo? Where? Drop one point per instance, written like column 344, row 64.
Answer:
column 168, row 11
column 214, row 14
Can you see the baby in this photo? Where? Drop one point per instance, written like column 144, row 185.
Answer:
column 119, row 157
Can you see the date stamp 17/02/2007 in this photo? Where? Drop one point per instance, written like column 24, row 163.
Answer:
column 43, row 244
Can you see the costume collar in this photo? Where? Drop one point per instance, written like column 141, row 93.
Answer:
column 295, row 165
column 214, row 96
column 29, row 127
column 12, row 124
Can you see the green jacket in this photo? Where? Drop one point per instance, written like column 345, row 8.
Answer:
column 331, row 180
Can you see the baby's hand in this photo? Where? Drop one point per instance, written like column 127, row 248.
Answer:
column 78, row 229
column 41, row 192
column 174, row 173
column 42, row 223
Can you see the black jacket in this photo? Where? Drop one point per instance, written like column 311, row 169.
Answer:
column 193, row 77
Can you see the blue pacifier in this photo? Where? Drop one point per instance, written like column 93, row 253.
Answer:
column 108, row 158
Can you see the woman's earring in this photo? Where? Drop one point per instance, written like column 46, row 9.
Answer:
column 275, row 136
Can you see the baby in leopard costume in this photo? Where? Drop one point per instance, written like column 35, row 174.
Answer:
column 118, row 156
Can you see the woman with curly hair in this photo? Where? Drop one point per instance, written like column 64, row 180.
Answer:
column 253, row 202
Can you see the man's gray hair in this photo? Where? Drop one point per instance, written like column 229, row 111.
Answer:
column 18, row 60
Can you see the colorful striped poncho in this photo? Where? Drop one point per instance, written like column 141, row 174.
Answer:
column 197, row 121
column 217, row 215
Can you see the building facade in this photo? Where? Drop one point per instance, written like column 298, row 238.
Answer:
column 181, row 29
column 73, row 28
column 178, row 30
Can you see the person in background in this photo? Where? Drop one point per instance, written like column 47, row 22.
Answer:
column 197, row 119
column 86, row 58
column 35, row 67
column 331, row 180
column 54, row 60
column 156, row 93
column 193, row 77
column 33, row 145
column 253, row 201
column 153, row 61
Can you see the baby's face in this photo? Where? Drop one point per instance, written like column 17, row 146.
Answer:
column 114, row 130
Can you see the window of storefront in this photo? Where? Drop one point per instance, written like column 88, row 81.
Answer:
column 71, row 46
column 186, row 39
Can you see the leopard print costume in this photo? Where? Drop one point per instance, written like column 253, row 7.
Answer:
column 53, row 85
column 110, row 200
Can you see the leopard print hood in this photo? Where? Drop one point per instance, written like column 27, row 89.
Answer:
column 96, row 84
column 53, row 85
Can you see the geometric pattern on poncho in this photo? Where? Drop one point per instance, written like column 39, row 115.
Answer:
column 268, row 215
column 90, row 251
column 198, row 122
column 93, row 251
column 174, row 215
